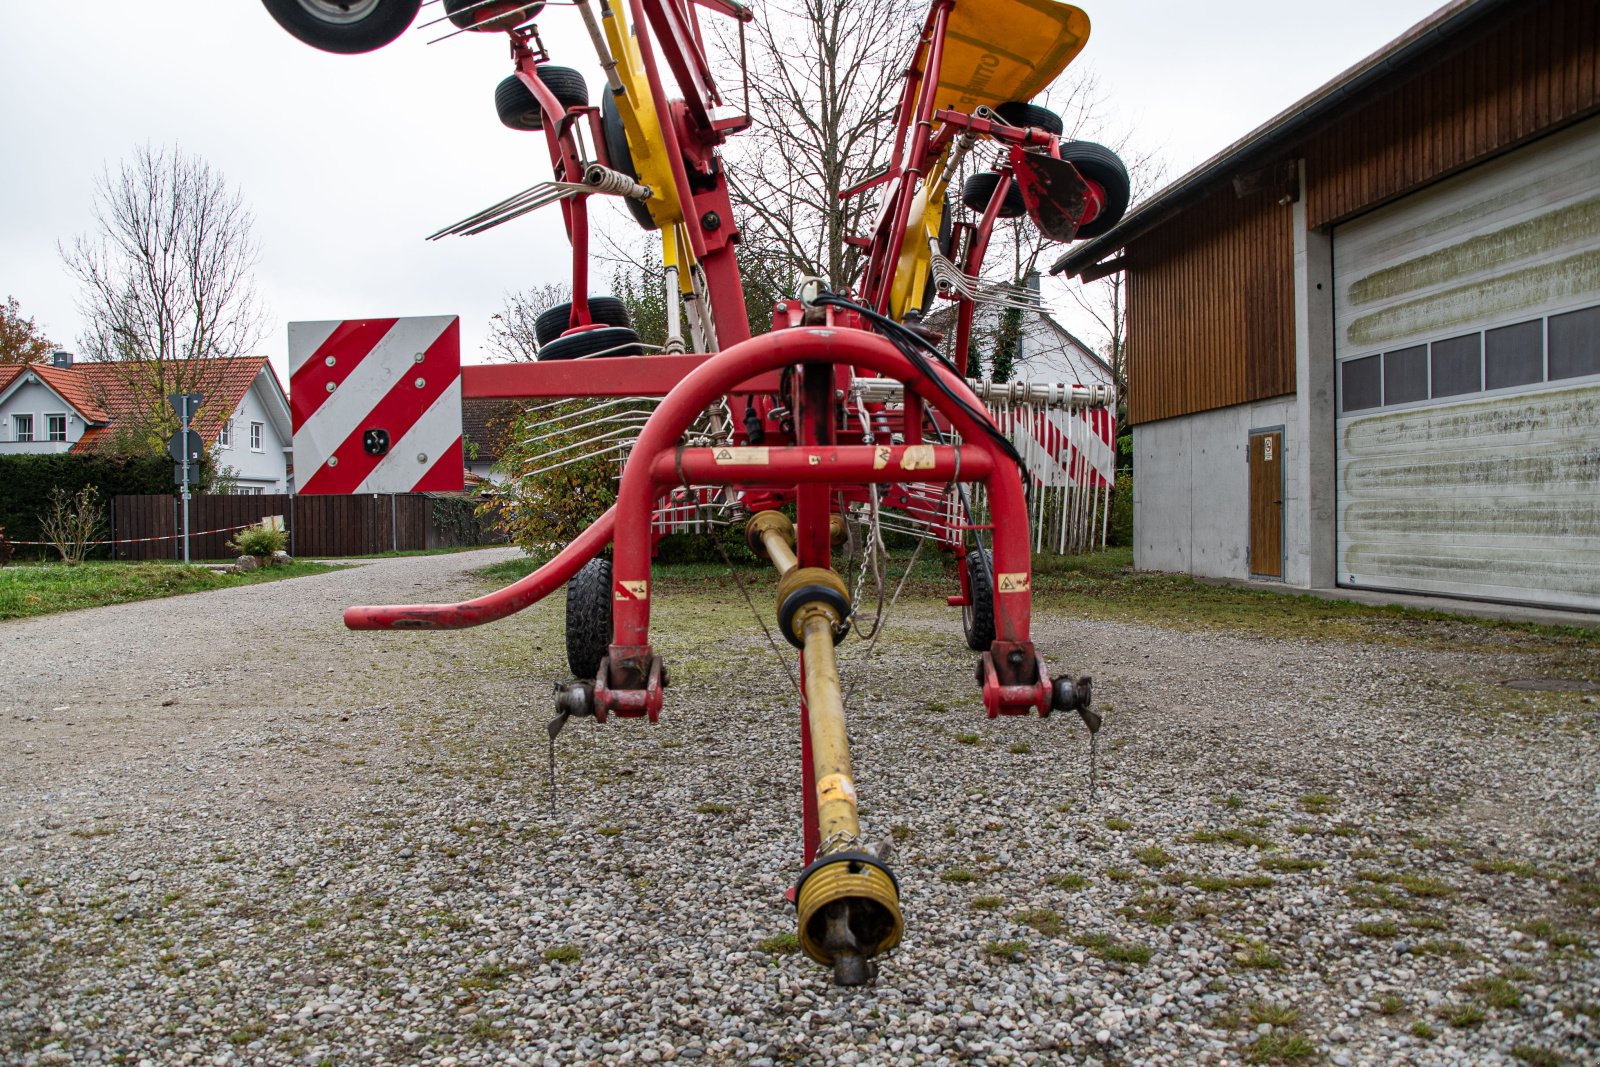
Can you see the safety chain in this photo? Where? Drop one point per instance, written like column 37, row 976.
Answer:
column 699, row 507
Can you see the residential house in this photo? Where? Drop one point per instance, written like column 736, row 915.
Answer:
column 70, row 406
column 1048, row 351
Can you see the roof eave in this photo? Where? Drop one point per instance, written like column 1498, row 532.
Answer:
column 1288, row 125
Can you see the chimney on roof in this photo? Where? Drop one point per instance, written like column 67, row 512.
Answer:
column 62, row 360
column 1031, row 280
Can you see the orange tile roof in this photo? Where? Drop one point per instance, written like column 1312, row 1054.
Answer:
column 224, row 381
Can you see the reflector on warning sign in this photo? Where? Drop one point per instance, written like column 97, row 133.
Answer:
column 376, row 405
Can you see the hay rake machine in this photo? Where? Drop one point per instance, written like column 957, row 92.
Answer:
column 846, row 407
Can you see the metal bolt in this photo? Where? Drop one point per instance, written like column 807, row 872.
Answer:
column 422, row 457
column 330, row 361
column 332, row 386
column 417, row 358
column 711, row 220
column 420, row 382
column 333, row 461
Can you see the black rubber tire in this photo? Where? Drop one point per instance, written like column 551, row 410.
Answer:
column 387, row 20
column 566, row 83
column 1018, row 113
column 592, row 342
column 621, row 156
column 589, row 618
column 492, row 16
column 1099, row 164
column 516, row 105
column 977, row 616
column 976, row 191
column 604, row 310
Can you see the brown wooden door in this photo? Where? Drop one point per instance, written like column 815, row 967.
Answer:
column 1266, row 503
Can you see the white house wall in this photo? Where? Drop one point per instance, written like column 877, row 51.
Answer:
column 34, row 398
column 264, row 469
column 1191, row 492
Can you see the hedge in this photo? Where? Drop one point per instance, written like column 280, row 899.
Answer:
column 27, row 480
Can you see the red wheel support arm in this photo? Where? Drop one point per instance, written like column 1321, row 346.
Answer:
column 497, row 605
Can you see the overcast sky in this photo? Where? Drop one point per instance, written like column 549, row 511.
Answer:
column 348, row 162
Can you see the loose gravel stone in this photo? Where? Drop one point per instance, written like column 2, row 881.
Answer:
column 245, row 835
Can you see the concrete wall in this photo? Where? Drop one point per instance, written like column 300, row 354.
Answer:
column 1191, row 491
column 33, row 398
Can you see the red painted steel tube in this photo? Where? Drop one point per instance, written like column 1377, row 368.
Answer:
column 856, row 348
column 497, row 605
column 825, row 463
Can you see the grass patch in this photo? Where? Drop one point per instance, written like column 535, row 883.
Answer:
column 1279, row 1047
column 1273, row 1014
column 1233, row 835
column 563, row 954
column 1209, row 883
column 1007, row 950
column 1551, row 934
column 1521, row 868
column 957, row 876
column 1157, row 911
column 609, row 831
column 1290, row 863
column 1109, row 948
column 1154, row 856
column 1391, row 1004
column 1233, row 801
column 1118, row 824
column 1044, row 920
column 1069, row 881
column 712, row 808
column 1464, row 1016
column 986, row 903
column 1258, row 957
column 1378, row 928
column 900, row 833
column 1422, row 1030
column 1120, row 874
column 968, row 739
column 1020, row 748
column 45, row 588
column 1318, row 803
column 780, row 944
column 1535, row 1056
column 1419, row 886
column 1495, row 992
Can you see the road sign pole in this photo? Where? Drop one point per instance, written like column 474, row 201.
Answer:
column 186, row 487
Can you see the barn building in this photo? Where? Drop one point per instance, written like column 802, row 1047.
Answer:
column 1364, row 341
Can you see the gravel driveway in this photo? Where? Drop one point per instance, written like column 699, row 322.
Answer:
column 233, row 832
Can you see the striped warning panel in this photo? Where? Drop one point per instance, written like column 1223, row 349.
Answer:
column 376, row 405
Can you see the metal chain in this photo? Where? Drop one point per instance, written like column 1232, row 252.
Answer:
column 783, row 660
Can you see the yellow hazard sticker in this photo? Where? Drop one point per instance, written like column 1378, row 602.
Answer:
column 633, row 590
column 1012, row 583
column 917, row 458
column 880, row 457
column 836, row 787
column 740, row 455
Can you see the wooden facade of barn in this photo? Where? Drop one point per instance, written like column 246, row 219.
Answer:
column 1331, row 279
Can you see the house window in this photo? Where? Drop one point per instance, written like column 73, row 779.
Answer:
column 55, row 427
column 23, row 427
column 255, row 437
column 225, row 438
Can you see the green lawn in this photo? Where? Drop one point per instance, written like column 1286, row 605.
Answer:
column 43, row 588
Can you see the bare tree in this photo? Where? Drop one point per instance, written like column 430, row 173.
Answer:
column 511, row 333
column 20, row 340
column 73, row 522
column 166, row 281
column 824, row 83
column 1106, row 301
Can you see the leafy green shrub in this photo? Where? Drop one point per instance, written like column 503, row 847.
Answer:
column 261, row 541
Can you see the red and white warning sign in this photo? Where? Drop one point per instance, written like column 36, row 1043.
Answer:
column 376, row 405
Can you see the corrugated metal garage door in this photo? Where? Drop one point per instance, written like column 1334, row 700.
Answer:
column 1467, row 322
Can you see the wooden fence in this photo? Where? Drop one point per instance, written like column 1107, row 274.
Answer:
column 317, row 525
